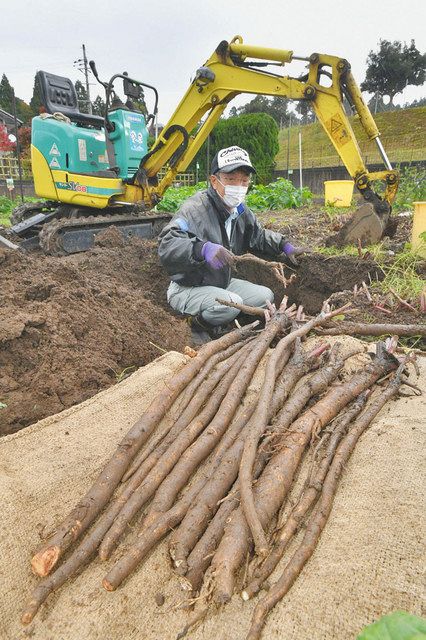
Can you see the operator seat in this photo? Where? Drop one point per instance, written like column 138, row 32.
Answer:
column 58, row 94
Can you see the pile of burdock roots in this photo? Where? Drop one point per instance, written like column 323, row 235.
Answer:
column 216, row 474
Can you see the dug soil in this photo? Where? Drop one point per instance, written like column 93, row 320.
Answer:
column 72, row 326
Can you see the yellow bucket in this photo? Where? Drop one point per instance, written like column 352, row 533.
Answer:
column 338, row 192
column 419, row 226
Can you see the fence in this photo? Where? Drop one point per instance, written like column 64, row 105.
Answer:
column 180, row 180
column 314, row 178
column 323, row 156
column 8, row 167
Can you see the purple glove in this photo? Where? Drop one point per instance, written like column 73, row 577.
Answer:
column 288, row 249
column 290, row 252
column 215, row 255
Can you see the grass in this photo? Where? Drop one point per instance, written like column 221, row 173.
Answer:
column 7, row 206
column 378, row 252
column 333, row 212
column 124, row 373
column 401, row 136
column 402, row 276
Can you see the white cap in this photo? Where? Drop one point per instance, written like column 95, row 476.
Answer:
column 231, row 158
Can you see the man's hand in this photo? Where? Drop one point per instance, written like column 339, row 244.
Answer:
column 291, row 252
column 216, row 256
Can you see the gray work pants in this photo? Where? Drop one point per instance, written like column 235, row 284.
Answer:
column 194, row 301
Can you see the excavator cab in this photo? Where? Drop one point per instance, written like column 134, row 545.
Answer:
column 73, row 153
column 81, row 163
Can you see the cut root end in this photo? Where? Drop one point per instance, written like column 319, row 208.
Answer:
column 108, row 585
column 44, row 561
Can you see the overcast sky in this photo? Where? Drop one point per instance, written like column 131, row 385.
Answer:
column 163, row 43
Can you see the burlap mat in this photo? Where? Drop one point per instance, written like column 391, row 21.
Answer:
column 368, row 561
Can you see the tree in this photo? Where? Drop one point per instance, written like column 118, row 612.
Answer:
column 393, row 67
column 36, row 103
column 24, row 135
column 82, row 98
column 376, row 104
column 6, row 94
column 276, row 107
column 98, row 106
column 305, row 111
column 255, row 132
column 5, row 143
column 416, row 103
column 23, row 111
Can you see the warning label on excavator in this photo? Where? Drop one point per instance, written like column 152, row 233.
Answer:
column 337, row 130
column 82, row 151
column 54, row 151
column 54, row 163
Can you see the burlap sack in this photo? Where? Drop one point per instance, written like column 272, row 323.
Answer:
column 368, row 561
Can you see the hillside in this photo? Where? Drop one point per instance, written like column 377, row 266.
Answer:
column 402, row 134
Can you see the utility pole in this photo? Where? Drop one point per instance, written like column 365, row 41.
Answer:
column 86, row 75
column 85, row 71
column 18, row 149
column 208, row 159
column 375, row 105
column 288, row 148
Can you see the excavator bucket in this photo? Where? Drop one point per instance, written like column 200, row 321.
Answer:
column 364, row 226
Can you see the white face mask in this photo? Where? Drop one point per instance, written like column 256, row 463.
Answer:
column 234, row 194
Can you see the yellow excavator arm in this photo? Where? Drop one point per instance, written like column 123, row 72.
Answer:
column 234, row 68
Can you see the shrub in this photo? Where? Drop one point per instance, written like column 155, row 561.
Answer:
column 255, row 132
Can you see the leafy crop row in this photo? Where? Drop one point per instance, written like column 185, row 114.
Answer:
column 412, row 188
column 176, row 196
column 280, row 194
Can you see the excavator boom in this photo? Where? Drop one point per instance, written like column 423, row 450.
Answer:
column 234, row 68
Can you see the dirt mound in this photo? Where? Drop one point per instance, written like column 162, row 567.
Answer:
column 317, row 278
column 71, row 326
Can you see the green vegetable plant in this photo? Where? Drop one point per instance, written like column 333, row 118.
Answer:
column 280, row 194
column 412, row 188
column 176, row 196
column 395, row 626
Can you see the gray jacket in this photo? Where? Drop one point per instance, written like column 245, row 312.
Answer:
column 202, row 218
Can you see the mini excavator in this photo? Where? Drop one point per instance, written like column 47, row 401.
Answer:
column 94, row 172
